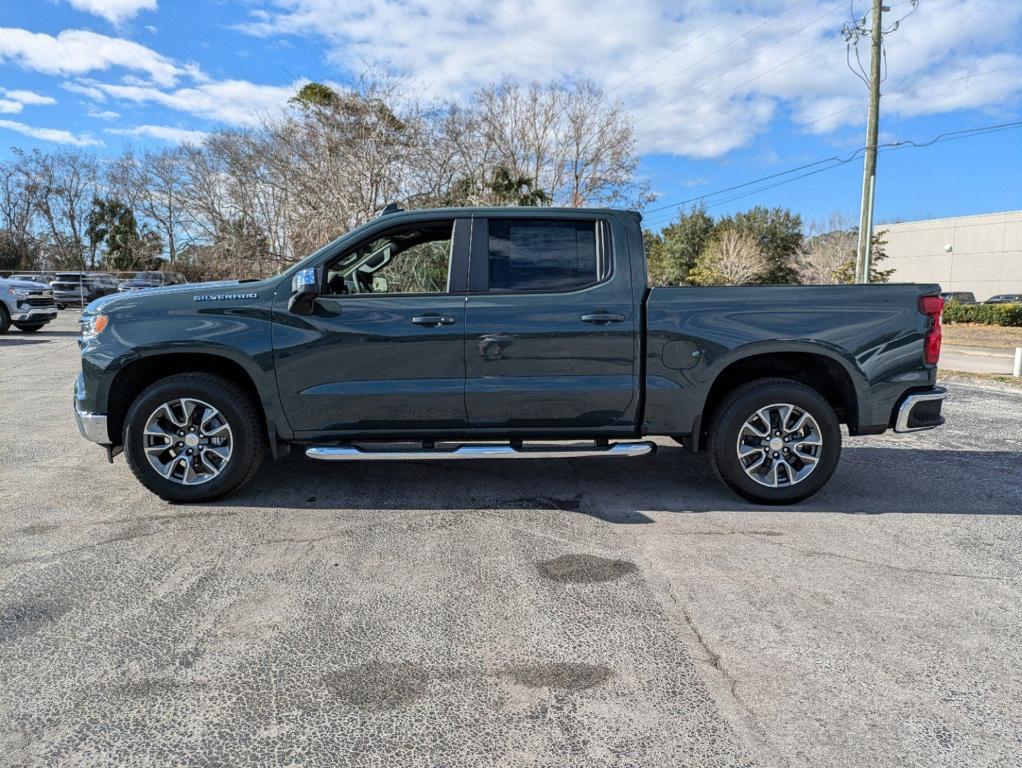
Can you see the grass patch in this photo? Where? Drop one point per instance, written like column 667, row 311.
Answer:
column 976, row 335
column 990, row 378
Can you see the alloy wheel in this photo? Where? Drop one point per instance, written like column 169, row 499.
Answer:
column 779, row 445
column 187, row 441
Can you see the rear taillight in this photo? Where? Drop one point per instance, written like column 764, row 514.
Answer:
column 932, row 306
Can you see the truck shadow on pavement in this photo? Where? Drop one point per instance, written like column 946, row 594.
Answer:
column 18, row 341
column 868, row 480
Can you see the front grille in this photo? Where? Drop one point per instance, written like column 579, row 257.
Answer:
column 39, row 301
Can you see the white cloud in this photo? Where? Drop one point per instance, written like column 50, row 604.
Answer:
column 56, row 135
column 114, row 11
column 84, row 89
column 78, row 51
column 234, row 102
column 27, row 97
column 106, row 114
column 162, row 132
column 12, row 101
column 739, row 66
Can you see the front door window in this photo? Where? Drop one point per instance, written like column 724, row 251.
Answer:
column 414, row 259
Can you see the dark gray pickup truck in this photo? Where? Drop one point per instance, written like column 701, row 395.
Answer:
column 500, row 333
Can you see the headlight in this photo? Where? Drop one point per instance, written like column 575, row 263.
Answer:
column 93, row 326
column 20, row 291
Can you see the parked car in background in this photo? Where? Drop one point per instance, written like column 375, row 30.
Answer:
column 142, row 280
column 962, row 297
column 79, row 288
column 25, row 304
column 37, row 278
column 1005, row 298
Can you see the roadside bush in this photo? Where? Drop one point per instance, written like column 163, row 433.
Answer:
column 987, row 314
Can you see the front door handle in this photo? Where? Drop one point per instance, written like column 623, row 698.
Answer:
column 602, row 318
column 433, row 320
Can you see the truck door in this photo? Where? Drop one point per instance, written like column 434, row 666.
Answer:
column 383, row 350
column 550, row 325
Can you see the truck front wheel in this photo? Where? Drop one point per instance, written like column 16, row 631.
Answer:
column 193, row 437
column 775, row 441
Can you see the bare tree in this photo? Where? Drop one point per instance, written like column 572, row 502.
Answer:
column 600, row 153
column 825, row 249
column 578, row 147
column 65, row 185
column 18, row 209
column 731, row 258
column 154, row 184
column 248, row 202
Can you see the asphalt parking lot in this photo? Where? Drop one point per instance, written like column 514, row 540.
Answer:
column 571, row 613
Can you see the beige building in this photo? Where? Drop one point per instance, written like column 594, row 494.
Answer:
column 982, row 254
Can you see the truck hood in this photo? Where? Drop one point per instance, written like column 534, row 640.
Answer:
column 187, row 292
column 24, row 284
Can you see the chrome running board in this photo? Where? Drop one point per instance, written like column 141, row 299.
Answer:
column 480, row 451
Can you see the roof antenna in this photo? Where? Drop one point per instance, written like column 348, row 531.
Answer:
column 389, row 209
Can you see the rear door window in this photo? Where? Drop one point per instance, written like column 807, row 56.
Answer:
column 543, row 255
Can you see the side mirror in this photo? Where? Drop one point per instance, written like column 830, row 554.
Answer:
column 304, row 290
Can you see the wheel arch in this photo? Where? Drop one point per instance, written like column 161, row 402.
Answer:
column 134, row 377
column 823, row 371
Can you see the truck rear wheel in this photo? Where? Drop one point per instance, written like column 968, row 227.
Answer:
column 775, row 441
column 193, row 437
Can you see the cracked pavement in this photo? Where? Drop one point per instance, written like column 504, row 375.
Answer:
column 563, row 613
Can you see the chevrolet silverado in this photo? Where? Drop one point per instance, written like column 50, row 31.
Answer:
column 524, row 333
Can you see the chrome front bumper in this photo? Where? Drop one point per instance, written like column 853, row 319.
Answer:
column 92, row 426
column 35, row 314
column 920, row 410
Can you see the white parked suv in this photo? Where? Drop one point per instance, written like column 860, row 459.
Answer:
column 25, row 304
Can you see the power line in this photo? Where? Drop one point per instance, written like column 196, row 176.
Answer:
column 673, row 51
column 907, row 91
column 713, row 53
column 741, row 63
column 835, row 161
column 733, row 90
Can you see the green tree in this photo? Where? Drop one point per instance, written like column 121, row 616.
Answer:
column 18, row 251
column 315, row 95
column 679, row 247
column 97, row 225
column 511, row 189
column 656, row 264
column 878, row 252
column 778, row 232
column 112, row 224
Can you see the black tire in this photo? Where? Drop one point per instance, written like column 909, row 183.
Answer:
column 5, row 319
column 248, row 441
column 29, row 328
column 742, row 404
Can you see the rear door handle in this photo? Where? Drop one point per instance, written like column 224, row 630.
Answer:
column 433, row 320
column 602, row 318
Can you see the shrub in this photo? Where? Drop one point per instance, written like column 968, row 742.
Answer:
column 986, row 314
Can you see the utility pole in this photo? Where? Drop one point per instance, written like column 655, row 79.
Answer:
column 864, row 253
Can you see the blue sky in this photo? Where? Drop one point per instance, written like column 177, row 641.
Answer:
column 722, row 92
